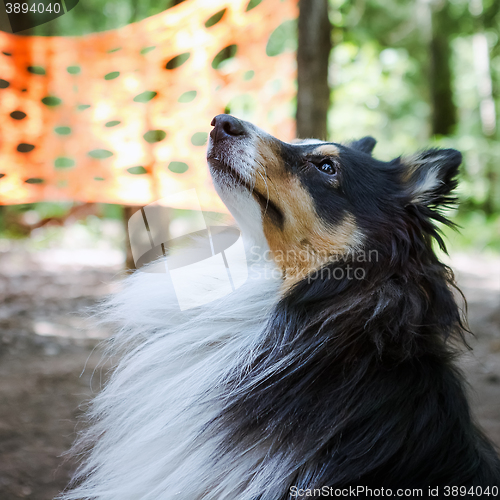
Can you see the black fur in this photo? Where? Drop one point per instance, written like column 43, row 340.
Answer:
column 366, row 144
column 355, row 383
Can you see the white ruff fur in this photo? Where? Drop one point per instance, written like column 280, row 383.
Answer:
column 146, row 440
column 150, row 438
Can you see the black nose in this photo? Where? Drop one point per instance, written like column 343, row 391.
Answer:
column 226, row 126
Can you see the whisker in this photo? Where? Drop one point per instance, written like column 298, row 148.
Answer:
column 270, row 180
column 267, row 189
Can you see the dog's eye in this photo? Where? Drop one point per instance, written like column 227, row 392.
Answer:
column 328, row 167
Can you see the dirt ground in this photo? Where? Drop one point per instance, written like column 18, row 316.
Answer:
column 51, row 364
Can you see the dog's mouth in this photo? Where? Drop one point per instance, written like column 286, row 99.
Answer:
column 269, row 208
column 218, row 165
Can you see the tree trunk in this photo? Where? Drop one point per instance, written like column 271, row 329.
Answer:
column 313, row 95
column 128, row 211
column 444, row 113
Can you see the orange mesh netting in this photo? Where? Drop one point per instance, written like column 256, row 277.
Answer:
column 123, row 116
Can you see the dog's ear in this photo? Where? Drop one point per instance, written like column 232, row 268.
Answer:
column 366, row 144
column 430, row 176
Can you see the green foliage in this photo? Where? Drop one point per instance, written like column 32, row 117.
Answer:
column 282, row 39
column 111, row 211
column 90, row 16
column 16, row 219
column 380, row 75
column 476, row 231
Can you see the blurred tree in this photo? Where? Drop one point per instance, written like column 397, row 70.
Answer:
column 412, row 74
column 444, row 113
column 424, row 71
column 313, row 52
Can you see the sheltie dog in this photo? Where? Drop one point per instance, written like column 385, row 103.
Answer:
column 330, row 372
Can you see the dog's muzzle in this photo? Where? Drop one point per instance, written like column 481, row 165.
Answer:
column 226, row 127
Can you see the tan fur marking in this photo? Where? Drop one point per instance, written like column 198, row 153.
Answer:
column 298, row 257
column 305, row 243
column 411, row 167
column 327, row 150
column 414, row 162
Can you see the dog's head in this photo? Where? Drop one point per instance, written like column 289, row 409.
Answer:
column 310, row 201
